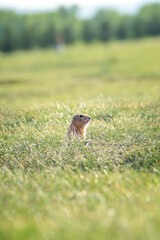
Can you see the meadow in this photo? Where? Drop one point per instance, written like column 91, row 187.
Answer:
column 55, row 188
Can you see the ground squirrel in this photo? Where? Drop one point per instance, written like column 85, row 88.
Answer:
column 78, row 125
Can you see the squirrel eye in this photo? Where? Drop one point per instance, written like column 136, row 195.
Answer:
column 81, row 116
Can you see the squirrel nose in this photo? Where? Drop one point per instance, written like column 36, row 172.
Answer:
column 89, row 118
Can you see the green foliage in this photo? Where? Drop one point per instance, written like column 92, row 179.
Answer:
column 106, row 22
column 88, row 33
column 18, row 31
column 148, row 20
column 104, row 187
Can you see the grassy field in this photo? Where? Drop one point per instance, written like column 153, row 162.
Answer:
column 54, row 188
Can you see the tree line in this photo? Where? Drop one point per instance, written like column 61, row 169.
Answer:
column 26, row 31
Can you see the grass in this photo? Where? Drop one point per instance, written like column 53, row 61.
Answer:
column 53, row 188
column 116, row 70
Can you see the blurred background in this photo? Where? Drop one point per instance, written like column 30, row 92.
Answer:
column 65, row 50
column 30, row 24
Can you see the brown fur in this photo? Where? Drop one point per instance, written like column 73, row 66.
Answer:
column 78, row 125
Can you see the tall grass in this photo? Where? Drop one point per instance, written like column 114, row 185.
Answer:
column 54, row 188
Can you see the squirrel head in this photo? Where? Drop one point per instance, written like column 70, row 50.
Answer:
column 80, row 121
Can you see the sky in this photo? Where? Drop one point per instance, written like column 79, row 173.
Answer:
column 87, row 7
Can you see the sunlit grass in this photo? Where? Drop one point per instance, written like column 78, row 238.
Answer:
column 117, row 70
column 54, row 188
